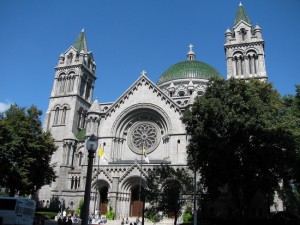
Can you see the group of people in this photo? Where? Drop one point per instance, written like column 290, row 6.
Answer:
column 65, row 221
column 103, row 220
column 137, row 221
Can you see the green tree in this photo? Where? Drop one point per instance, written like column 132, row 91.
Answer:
column 238, row 140
column 25, row 151
column 290, row 192
column 164, row 186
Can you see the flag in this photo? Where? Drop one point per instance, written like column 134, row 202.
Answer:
column 101, row 153
column 145, row 155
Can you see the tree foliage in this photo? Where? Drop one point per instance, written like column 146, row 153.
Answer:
column 25, row 151
column 290, row 192
column 164, row 187
column 239, row 140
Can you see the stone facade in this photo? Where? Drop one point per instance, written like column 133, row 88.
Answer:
column 146, row 115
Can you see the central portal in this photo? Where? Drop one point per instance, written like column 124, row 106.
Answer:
column 103, row 200
column 136, row 203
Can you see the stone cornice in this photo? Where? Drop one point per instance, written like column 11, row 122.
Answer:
column 257, row 43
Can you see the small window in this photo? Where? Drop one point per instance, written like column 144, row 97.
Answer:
column 181, row 93
column 243, row 33
column 200, row 93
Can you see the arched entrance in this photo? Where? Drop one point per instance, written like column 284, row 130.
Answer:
column 103, row 200
column 136, row 202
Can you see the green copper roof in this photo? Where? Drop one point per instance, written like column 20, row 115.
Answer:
column 189, row 69
column 241, row 15
column 81, row 134
column 80, row 43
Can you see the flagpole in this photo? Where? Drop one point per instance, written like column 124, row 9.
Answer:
column 140, row 189
column 98, row 178
column 99, row 157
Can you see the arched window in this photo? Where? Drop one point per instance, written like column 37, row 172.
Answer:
column 80, row 156
column 72, row 182
column 243, row 33
column 78, row 185
column 81, row 118
column 56, row 115
column 88, row 90
column 239, row 66
column 82, row 86
column 76, row 181
column 71, row 78
column 252, row 62
column 63, row 116
column 61, row 83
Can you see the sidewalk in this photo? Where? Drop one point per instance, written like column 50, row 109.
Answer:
column 118, row 222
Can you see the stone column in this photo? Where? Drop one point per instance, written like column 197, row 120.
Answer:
column 113, row 196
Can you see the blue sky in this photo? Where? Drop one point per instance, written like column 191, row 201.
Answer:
column 128, row 36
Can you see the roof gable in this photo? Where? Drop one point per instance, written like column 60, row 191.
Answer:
column 143, row 80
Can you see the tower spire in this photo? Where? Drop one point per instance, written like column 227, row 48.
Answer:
column 244, row 49
column 81, row 43
column 241, row 15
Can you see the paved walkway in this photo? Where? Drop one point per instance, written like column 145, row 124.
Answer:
column 118, row 222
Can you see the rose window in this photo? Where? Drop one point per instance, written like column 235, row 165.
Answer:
column 144, row 135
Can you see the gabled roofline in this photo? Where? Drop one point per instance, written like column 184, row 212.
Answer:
column 142, row 78
column 242, row 21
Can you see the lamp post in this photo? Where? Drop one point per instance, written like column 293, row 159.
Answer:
column 91, row 146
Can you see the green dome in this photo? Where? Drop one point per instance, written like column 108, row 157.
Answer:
column 189, row 69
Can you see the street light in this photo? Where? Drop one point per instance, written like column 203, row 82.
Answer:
column 91, row 146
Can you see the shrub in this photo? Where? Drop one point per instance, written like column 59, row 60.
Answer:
column 110, row 215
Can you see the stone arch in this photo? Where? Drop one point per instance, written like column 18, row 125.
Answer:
column 126, row 116
column 252, row 57
column 131, row 187
column 100, row 200
column 239, row 63
column 79, row 156
column 130, row 122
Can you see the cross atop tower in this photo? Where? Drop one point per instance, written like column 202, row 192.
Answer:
column 144, row 72
column 191, row 55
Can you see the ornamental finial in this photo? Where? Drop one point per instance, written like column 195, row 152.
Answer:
column 143, row 73
column 191, row 55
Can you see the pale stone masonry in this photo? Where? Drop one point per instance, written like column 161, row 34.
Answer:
column 146, row 115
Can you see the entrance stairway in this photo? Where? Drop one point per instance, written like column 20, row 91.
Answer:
column 132, row 220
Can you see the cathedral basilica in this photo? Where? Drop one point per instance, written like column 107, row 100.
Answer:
column 147, row 115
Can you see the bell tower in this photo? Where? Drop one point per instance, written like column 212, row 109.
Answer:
column 72, row 91
column 244, row 49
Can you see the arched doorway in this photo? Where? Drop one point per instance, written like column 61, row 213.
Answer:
column 103, row 200
column 136, row 202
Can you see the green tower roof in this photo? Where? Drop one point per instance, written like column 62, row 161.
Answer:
column 189, row 69
column 241, row 15
column 80, row 43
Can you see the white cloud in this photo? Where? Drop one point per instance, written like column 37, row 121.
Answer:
column 4, row 106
